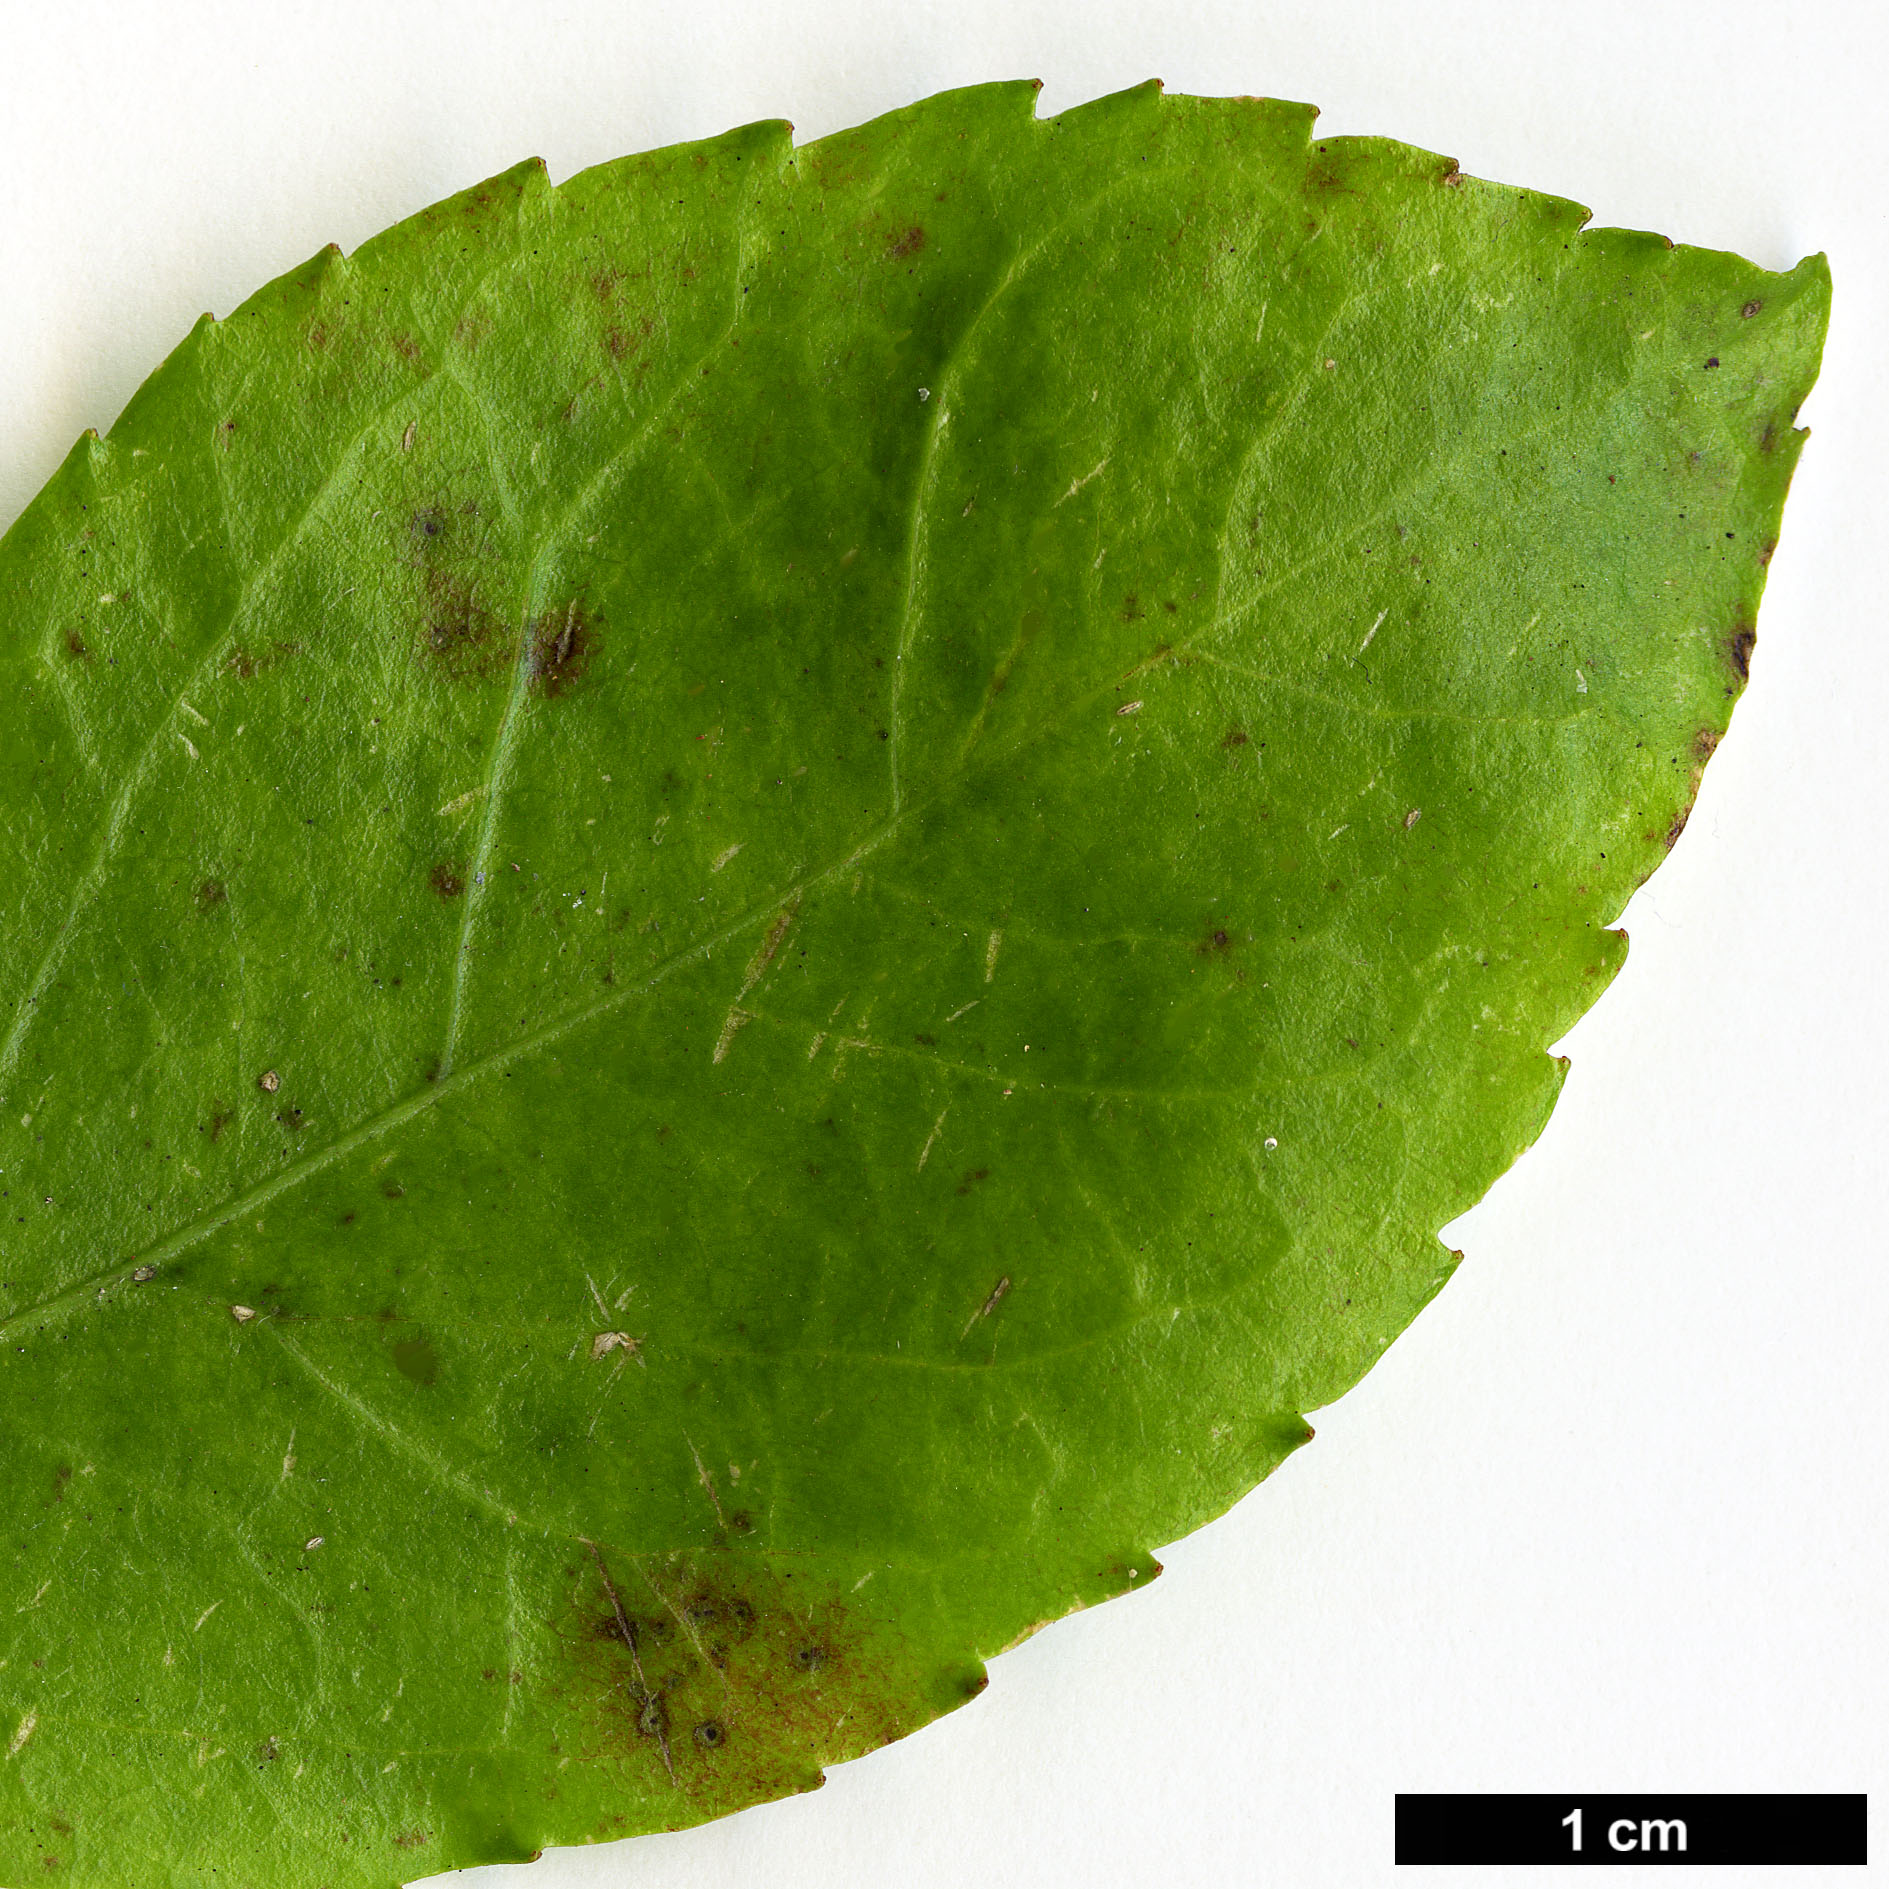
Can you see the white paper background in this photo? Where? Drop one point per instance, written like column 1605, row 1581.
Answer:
column 1610, row 1516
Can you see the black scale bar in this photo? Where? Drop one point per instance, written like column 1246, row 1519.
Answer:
column 1635, row 1830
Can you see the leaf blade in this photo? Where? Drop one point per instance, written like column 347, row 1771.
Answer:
column 1081, row 1076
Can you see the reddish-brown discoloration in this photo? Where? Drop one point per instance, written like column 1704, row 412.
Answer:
column 719, row 1678
column 563, row 645
column 246, row 664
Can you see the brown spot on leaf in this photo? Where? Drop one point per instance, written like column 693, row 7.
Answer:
column 245, row 664
column 1235, row 738
column 458, row 635
column 562, row 645
column 622, row 342
column 1704, row 743
column 907, row 243
column 722, row 1681
column 1750, row 309
column 75, row 647
column 210, row 894
column 1739, row 649
column 445, row 881
column 971, row 1178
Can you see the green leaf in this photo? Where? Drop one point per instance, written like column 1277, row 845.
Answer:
column 751, row 909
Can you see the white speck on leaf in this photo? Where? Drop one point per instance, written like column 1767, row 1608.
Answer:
column 23, row 1734
column 924, row 1153
column 765, row 950
column 708, row 1483
column 242, row 1314
column 731, row 1026
column 989, row 1306
column 1076, row 485
column 725, row 855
